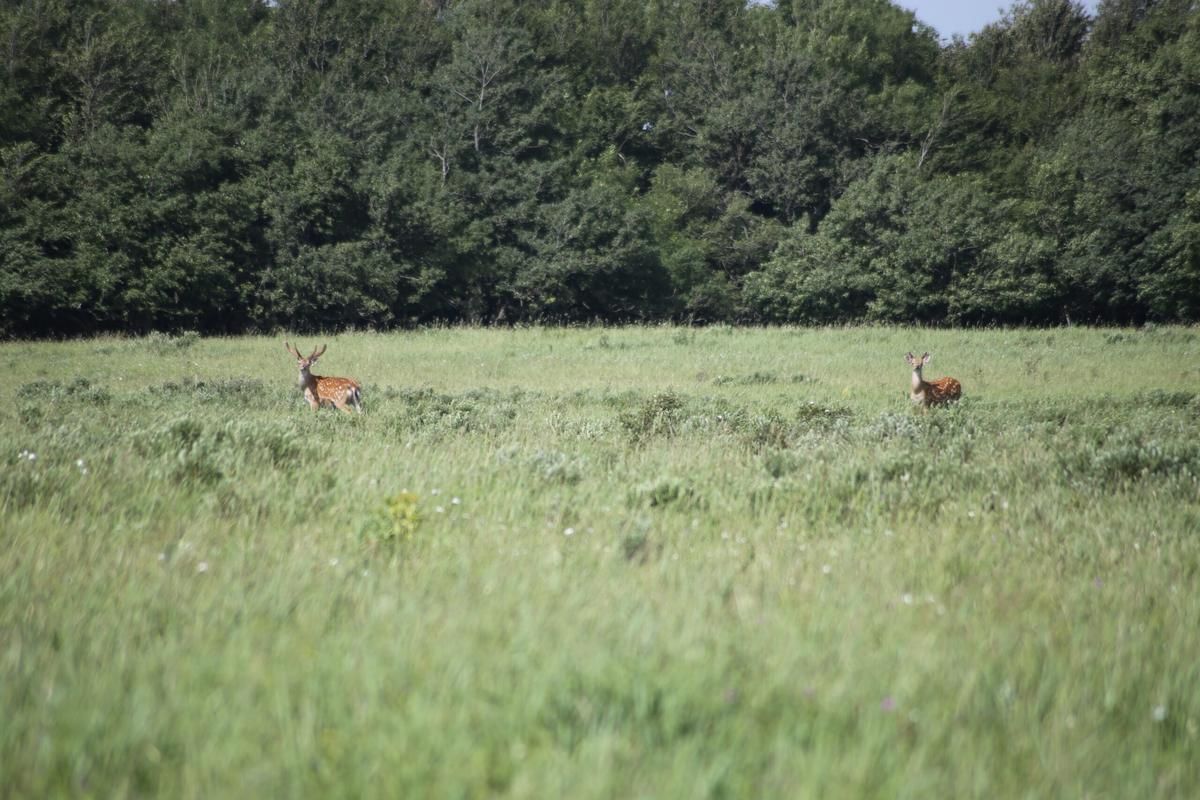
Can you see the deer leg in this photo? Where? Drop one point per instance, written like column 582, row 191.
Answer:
column 341, row 404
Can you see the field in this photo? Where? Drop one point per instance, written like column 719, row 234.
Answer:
column 631, row 562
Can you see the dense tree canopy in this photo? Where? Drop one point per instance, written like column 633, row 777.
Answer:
column 225, row 166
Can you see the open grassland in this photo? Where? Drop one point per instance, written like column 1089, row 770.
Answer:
column 639, row 562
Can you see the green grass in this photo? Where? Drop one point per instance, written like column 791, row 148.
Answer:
column 780, row 579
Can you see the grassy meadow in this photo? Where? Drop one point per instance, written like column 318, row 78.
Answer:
column 630, row 562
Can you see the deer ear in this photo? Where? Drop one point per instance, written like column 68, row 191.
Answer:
column 909, row 357
column 925, row 358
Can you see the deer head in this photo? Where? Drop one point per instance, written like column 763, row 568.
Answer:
column 301, row 361
column 917, row 363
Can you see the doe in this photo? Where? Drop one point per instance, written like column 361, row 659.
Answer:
column 927, row 393
column 320, row 390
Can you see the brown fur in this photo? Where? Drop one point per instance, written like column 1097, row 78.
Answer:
column 320, row 390
column 929, row 393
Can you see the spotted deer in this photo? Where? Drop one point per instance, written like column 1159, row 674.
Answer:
column 320, row 390
column 927, row 393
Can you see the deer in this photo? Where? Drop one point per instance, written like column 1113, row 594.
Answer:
column 321, row 390
column 928, row 393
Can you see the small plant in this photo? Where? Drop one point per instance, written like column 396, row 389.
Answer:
column 556, row 467
column 758, row 378
column 812, row 413
column 778, row 464
column 80, row 390
column 657, row 415
column 240, row 389
column 393, row 523
column 683, row 336
column 634, row 546
column 164, row 344
column 666, row 491
column 186, row 340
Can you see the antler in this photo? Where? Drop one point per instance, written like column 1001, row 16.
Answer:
column 318, row 352
column 292, row 350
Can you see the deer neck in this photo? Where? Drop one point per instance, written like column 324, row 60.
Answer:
column 306, row 378
column 917, row 381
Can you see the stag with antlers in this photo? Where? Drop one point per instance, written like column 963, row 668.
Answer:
column 320, row 390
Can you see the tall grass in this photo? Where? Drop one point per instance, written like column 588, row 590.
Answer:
column 655, row 562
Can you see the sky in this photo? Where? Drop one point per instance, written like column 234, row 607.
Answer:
column 962, row 16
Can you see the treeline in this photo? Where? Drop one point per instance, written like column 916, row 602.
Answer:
column 226, row 166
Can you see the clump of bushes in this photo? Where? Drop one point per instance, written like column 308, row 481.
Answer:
column 80, row 390
column 191, row 452
column 1122, row 462
column 478, row 411
column 666, row 491
column 658, row 415
column 240, row 389
column 164, row 344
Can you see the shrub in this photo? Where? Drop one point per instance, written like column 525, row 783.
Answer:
column 658, row 415
column 79, row 390
column 666, row 491
column 556, row 467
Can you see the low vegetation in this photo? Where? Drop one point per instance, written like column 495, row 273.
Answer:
column 594, row 562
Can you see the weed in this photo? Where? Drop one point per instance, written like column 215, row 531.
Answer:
column 231, row 389
column 164, row 344
column 79, row 390
column 556, row 467
column 657, row 415
column 667, row 491
column 394, row 522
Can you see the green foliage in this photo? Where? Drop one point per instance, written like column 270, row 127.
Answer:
column 394, row 523
column 779, row 588
column 328, row 166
